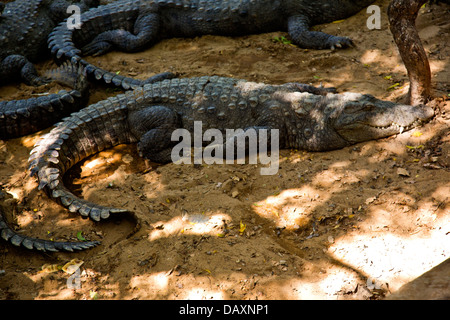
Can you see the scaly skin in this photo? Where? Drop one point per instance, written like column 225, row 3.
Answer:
column 24, row 28
column 131, row 26
column 18, row 240
column 307, row 118
column 22, row 117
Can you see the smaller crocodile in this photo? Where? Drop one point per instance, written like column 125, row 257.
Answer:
column 22, row 117
column 10, row 235
column 131, row 26
column 307, row 118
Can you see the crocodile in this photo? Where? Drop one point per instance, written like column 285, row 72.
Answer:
column 22, row 117
column 132, row 26
column 24, row 28
column 308, row 118
column 7, row 233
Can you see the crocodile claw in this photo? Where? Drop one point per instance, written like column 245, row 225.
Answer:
column 340, row 43
column 37, row 81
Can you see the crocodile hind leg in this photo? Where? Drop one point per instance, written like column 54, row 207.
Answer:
column 154, row 125
column 298, row 29
column 17, row 66
column 145, row 31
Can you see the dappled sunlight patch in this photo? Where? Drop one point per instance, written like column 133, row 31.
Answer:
column 119, row 181
column 340, row 164
column 95, row 163
column 285, row 209
column 373, row 57
column 335, row 179
column 203, row 294
column 104, row 160
column 90, row 190
column 21, row 184
column 407, row 213
column 390, row 259
column 16, row 193
column 321, row 283
column 158, row 281
column 442, row 194
column 196, row 224
column 330, row 284
column 437, row 66
column 30, row 141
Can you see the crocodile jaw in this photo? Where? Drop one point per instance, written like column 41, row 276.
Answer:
column 370, row 118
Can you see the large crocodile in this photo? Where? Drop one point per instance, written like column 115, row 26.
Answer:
column 307, row 118
column 22, row 117
column 130, row 25
column 24, row 29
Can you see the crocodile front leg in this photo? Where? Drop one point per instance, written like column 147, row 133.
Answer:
column 145, row 32
column 298, row 29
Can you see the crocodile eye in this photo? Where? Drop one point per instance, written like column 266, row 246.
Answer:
column 369, row 107
column 353, row 106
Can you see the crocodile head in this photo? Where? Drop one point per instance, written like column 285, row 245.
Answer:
column 362, row 117
column 333, row 121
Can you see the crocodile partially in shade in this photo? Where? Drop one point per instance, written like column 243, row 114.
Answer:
column 308, row 118
column 131, row 26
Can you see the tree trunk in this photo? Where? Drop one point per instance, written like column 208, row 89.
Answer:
column 402, row 16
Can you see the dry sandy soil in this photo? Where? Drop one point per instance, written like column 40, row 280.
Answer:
column 356, row 223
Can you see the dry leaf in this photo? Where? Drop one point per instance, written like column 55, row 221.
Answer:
column 242, row 227
column 403, row 172
column 72, row 266
column 330, row 239
column 127, row 159
column 50, row 268
column 93, row 295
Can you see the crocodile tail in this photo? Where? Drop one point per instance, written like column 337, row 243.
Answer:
column 71, row 75
column 117, row 80
column 22, row 117
column 116, row 15
column 98, row 127
column 8, row 234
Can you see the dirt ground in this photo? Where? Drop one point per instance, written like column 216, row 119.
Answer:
column 356, row 223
